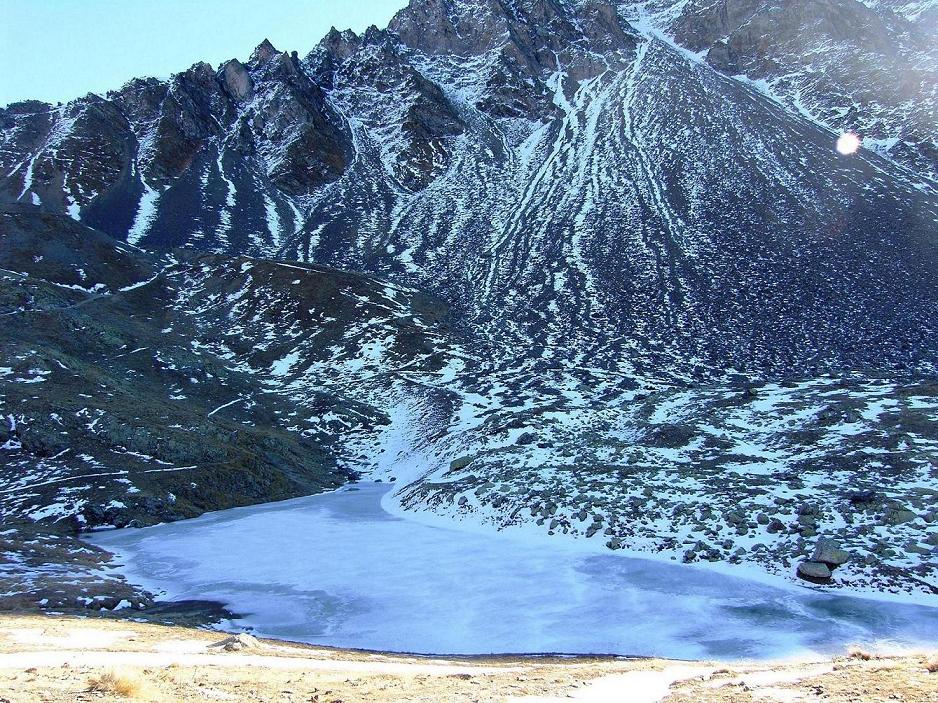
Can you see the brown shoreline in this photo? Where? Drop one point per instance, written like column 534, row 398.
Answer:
column 53, row 659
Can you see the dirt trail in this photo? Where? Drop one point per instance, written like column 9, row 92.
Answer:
column 56, row 659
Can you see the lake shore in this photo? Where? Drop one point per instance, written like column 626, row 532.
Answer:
column 56, row 659
column 339, row 569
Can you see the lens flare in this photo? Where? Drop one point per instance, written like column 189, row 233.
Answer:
column 848, row 143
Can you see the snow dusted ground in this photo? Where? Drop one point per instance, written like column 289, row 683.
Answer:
column 338, row 569
column 238, row 357
column 745, row 476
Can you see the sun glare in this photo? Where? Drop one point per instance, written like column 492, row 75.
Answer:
column 848, row 143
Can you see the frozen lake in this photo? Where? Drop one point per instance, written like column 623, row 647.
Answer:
column 337, row 569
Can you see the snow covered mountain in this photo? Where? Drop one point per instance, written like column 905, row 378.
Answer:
column 577, row 185
column 599, row 229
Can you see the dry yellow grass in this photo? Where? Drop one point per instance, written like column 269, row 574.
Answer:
column 160, row 664
column 857, row 653
column 119, row 684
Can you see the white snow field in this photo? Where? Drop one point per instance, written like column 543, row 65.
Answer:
column 337, row 569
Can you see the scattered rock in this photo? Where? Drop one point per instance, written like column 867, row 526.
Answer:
column 238, row 642
column 671, row 436
column 814, row 571
column 775, row 525
column 899, row 516
column 460, row 463
column 862, row 497
column 828, row 551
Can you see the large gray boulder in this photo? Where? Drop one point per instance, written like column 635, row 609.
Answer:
column 814, row 571
column 238, row 642
column 460, row 463
column 827, row 551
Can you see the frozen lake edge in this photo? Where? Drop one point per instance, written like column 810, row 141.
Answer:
column 348, row 573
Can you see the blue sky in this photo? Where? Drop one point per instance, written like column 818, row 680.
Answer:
column 60, row 49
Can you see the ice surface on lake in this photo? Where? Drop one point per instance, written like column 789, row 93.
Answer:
column 336, row 569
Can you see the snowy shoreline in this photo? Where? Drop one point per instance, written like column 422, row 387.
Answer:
column 529, row 530
column 407, row 462
column 743, row 481
column 480, row 524
column 340, row 569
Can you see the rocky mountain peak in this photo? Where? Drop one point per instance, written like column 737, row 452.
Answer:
column 373, row 35
column 543, row 36
column 25, row 107
column 570, row 175
column 868, row 67
column 340, row 45
column 465, row 27
column 263, row 53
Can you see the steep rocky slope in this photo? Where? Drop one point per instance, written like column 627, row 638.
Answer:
column 867, row 67
column 573, row 182
column 137, row 389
